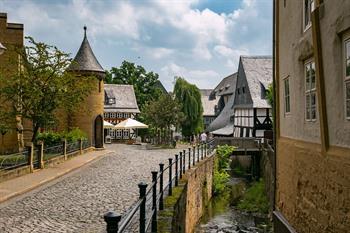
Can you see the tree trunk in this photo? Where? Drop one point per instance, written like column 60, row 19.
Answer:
column 35, row 132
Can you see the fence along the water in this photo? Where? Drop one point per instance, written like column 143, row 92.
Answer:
column 142, row 216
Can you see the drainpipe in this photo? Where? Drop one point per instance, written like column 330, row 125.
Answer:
column 274, row 51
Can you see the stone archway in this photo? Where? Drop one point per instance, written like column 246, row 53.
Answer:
column 98, row 132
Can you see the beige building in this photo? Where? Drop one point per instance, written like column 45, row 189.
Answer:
column 89, row 117
column 209, row 103
column 313, row 114
column 11, row 36
column 119, row 104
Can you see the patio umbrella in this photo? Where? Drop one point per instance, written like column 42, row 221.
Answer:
column 130, row 124
column 107, row 125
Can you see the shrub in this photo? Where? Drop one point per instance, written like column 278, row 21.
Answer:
column 221, row 176
column 53, row 138
column 74, row 135
column 255, row 199
column 49, row 138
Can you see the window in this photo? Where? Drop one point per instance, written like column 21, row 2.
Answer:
column 111, row 101
column 243, row 89
column 309, row 6
column 238, row 90
column 310, row 91
column 119, row 115
column 286, row 96
column 347, row 78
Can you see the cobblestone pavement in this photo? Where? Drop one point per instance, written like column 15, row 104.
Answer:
column 77, row 202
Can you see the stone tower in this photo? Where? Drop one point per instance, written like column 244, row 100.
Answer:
column 89, row 116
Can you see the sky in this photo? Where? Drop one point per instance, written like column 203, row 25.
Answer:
column 200, row 40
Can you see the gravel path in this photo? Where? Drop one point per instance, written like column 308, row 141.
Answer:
column 77, row 202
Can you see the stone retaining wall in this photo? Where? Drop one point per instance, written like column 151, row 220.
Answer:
column 185, row 207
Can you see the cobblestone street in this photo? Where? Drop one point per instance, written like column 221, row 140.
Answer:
column 77, row 202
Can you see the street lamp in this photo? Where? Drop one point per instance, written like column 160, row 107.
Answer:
column 2, row 49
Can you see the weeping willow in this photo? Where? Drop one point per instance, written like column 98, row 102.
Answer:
column 190, row 97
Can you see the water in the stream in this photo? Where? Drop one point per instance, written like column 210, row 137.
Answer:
column 221, row 216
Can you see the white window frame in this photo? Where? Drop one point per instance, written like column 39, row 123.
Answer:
column 286, row 95
column 312, row 7
column 346, row 78
column 310, row 91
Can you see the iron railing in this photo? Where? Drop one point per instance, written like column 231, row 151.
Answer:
column 54, row 151
column 142, row 216
column 72, row 147
column 12, row 161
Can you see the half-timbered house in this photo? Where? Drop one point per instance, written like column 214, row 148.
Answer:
column 119, row 104
column 252, row 112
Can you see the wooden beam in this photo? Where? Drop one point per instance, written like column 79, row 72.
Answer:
column 320, row 82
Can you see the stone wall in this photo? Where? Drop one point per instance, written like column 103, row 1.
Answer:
column 11, row 37
column 313, row 189
column 185, row 207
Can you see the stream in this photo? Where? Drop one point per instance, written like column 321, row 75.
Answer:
column 221, row 216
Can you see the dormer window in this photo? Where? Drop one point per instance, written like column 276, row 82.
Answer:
column 238, row 91
column 111, row 101
column 243, row 89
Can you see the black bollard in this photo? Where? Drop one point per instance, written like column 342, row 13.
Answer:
column 161, row 202
column 154, row 201
column 112, row 219
column 142, row 192
column 170, row 177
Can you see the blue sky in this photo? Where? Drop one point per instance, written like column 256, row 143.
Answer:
column 200, row 40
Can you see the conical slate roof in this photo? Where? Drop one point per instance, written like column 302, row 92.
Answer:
column 85, row 59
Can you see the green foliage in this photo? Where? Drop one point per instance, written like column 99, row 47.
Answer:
column 74, row 135
column 145, row 83
column 49, row 138
column 255, row 199
column 190, row 97
column 221, row 176
column 219, row 181
column 270, row 95
column 43, row 85
column 53, row 138
column 223, row 154
column 163, row 113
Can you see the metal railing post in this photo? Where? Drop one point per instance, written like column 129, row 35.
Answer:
column 189, row 158
column 142, row 191
column 170, row 177
column 198, row 146
column 194, row 156
column 176, row 170
column 181, row 165
column 205, row 149
column 161, row 170
column 154, row 201
column 202, row 147
column 184, row 162
column 112, row 219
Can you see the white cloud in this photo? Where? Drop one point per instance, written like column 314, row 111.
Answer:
column 202, row 78
column 163, row 33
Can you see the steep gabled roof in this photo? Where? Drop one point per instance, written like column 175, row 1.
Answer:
column 85, row 59
column 258, row 72
column 224, row 117
column 125, row 99
column 208, row 103
column 225, row 87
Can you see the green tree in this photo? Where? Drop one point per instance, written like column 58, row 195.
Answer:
column 145, row 83
column 163, row 113
column 190, row 97
column 42, row 85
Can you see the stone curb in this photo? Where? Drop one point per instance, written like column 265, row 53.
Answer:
column 15, row 194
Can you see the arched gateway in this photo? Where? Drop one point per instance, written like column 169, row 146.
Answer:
column 98, row 132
